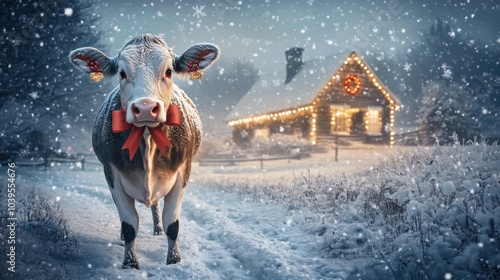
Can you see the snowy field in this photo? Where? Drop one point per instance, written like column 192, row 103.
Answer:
column 284, row 221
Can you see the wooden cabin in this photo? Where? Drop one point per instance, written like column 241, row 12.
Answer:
column 322, row 100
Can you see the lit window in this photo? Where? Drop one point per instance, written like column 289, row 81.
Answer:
column 373, row 120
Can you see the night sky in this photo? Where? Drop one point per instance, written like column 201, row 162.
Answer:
column 262, row 30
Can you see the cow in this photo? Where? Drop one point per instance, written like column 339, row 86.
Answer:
column 147, row 131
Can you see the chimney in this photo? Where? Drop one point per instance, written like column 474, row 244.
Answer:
column 293, row 62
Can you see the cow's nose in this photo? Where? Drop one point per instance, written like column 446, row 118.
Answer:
column 145, row 111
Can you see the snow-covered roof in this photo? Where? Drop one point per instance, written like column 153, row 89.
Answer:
column 270, row 94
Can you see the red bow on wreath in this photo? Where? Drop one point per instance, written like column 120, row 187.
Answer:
column 118, row 124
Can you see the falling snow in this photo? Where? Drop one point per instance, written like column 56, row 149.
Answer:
column 34, row 95
column 48, row 106
column 68, row 12
column 447, row 73
column 407, row 67
column 198, row 11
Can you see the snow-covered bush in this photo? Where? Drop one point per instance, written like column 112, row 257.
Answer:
column 41, row 225
column 449, row 198
column 280, row 144
column 427, row 214
column 46, row 220
column 213, row 146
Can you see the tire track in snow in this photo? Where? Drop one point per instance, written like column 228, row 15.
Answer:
column 258, row 239
column 221, row 236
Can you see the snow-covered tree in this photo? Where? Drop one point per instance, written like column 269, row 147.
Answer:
column 40, row 93
column 444, row 54
column 445, row 110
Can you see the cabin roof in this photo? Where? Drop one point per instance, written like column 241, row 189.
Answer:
column 270, row 94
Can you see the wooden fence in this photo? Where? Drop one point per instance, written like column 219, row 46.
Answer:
column 42, row 159
column 233, row 161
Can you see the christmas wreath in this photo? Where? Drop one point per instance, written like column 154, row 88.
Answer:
column 352, row 84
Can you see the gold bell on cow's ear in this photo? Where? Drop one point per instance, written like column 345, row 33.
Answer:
column 95, row 74
column 194, row 71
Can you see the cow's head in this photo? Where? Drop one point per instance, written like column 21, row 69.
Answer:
column 145, row 65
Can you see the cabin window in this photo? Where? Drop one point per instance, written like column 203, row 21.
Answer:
column 262, row 133
column 373, row 120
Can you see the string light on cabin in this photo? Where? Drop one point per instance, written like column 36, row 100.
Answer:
column 313, row 127
column 388, row 97
column 352, row 85
column 273, row 116
column 391, row 126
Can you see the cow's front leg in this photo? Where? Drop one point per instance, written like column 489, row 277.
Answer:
column 129, row 225
column 171, row 214
column 155, row 210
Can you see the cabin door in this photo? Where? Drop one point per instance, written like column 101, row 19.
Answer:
column 358, row 122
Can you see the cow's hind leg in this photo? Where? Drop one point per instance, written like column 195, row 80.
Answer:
column 155, row 210
column 171, row 214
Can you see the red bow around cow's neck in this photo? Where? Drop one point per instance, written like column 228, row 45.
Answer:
column 118, row 124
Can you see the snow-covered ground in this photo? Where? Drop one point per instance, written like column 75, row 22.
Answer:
column 222, row 235
column 230, row 234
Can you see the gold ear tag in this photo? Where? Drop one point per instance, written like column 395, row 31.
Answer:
column 196, row 75
column 96, row 76
column 194, row 70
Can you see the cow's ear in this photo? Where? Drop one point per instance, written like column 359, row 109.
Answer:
column 94, row 62
column 202, row 55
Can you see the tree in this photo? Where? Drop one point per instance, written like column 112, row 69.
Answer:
column 445, row 55
column 446, row 110
column 40, row 93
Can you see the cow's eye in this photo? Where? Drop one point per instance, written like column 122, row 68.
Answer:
column 123, row 75
column 168, row 73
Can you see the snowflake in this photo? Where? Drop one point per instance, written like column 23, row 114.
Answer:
column 34, row 95
column 310, row 2
column 68, row 12
column 452, row 34
column 198, row 11
column 447, row 73
column 407, row 67
column 244, row 134
column 181, row 28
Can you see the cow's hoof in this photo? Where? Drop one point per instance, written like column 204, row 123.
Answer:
column 173, row 259
column 130, row 265
column 158, row 231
